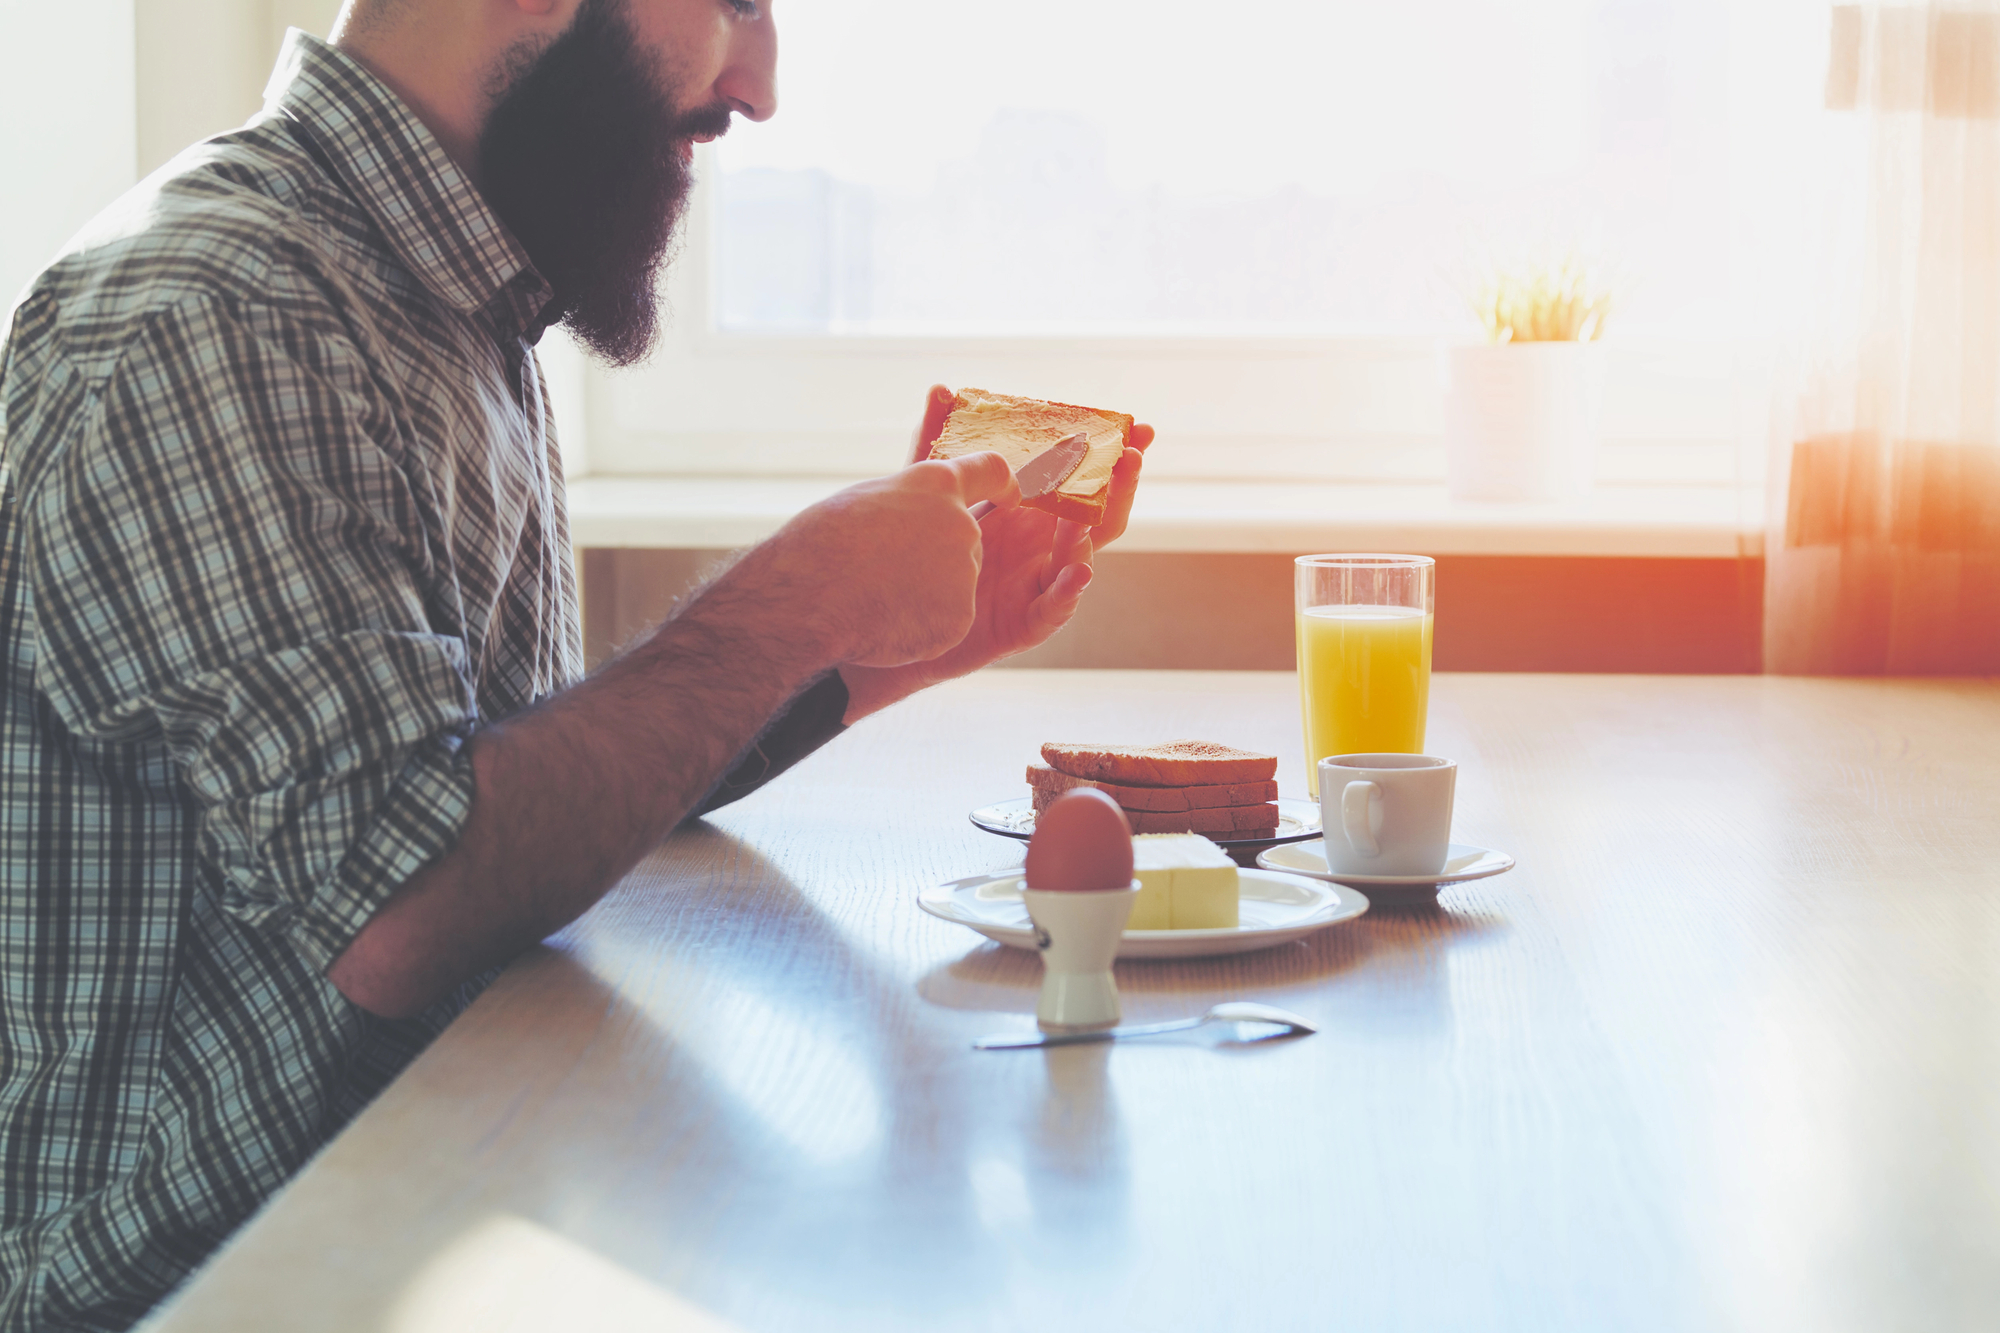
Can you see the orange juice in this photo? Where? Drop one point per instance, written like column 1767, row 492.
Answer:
column 1364, row 681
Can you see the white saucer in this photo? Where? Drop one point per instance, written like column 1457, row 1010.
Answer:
column 1464, row 862
column 1297, row 819
column 1272, row 909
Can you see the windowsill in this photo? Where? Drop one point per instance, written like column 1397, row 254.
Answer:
column 710, row 512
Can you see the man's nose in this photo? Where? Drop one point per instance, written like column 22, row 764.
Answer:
column 749, row 82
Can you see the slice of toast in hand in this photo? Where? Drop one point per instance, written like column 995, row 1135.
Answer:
column 1019, row 428
column 1174, row 764
column 1043, row 778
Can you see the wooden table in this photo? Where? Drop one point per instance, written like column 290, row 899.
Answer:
column 1722, row 1053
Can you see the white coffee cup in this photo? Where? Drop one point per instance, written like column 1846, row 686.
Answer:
column 1386, row 814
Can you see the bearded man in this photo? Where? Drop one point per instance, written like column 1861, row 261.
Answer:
column 296, row 748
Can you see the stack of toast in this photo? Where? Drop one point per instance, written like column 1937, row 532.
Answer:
column 1178, row 787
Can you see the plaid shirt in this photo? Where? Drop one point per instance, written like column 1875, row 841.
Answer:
column 281, row 518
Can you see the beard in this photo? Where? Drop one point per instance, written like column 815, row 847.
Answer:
column 588, row 163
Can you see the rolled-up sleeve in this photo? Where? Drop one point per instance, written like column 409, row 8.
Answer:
column 810, row 720
column 231, row 564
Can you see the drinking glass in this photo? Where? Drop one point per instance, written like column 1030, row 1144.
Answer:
column 1364, row 624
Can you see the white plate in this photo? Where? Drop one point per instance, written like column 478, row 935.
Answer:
column 1272, row 909
column 1296, row 819
column 1462, row 863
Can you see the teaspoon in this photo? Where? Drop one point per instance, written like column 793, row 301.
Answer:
column 1288, row 1023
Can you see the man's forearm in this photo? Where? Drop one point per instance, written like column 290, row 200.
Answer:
column 814, row 716
column 570, row 795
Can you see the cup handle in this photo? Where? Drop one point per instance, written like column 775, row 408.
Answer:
column 1361, row 817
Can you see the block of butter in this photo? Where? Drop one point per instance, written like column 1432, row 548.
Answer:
column 1186, row 882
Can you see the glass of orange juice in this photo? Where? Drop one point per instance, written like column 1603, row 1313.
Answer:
column 1364, row 654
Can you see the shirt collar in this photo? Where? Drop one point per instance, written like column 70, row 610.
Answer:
column 435, row 219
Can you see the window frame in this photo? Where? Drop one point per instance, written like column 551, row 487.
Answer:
column 1356, row 409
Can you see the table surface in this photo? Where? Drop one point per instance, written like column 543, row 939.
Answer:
column 1723, row 1052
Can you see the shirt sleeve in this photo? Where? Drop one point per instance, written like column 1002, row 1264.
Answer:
column 811, row 720
column 228, row 559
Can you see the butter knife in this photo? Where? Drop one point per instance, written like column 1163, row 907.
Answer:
column 1052, row 467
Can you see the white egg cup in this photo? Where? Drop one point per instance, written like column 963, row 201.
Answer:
column 1077, row 934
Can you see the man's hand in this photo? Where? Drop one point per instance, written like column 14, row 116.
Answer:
column 885, row 573
column 1032, row 573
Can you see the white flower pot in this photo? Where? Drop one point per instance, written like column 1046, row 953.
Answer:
column 1520, row 420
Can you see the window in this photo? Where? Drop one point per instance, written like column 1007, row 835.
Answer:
column 1249, row 225
column 1090, row 166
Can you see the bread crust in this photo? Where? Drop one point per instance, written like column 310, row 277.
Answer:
column 1019, row 428
column 1043, row 778
column 1237, row 821
column 1244, row 821
column 1173, row 764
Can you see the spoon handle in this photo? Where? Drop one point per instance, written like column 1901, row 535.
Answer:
column 1019, row 1040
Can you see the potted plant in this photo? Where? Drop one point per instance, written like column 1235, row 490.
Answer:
column 1521, row 406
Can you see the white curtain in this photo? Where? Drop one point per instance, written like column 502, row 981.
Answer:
column 1884, row 554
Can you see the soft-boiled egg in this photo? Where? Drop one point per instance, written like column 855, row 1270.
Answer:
column 1081, row 842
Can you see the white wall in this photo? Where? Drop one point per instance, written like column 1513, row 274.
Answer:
column 202, row 64
column 68, row 127
column 201, row 69
column 96, row 93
